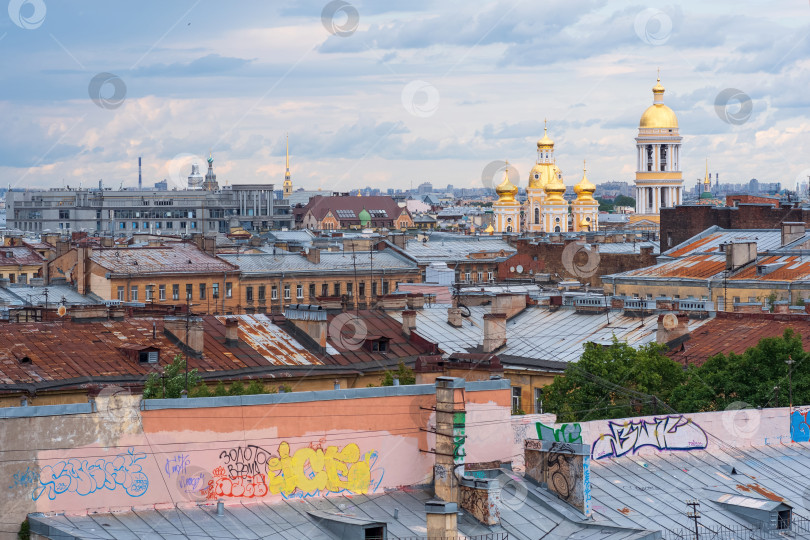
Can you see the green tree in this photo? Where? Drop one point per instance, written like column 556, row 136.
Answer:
column 403, row 373
column 591, row 389
column 749, row 377
column 173, row 380
column 624, row 200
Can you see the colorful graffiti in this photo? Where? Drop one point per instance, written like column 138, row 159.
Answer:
column 83, row 477
column 177, row 464
column 459, row 436
column 224, row 485
column 664, row 433
column 569, row 433
column 310, row 472
column 799, row 426
column 586, row 485
column 25, row 478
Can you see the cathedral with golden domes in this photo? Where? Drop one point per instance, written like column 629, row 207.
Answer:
column 546, row 209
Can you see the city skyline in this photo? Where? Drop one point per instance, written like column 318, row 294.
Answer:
column 374, row 97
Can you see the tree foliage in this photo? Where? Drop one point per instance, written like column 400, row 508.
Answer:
column 173, row 381
column 403, row 373
column 619, row 381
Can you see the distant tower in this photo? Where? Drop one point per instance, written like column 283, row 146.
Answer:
column 506, row 208
column 707, row 184
column 288, row 187
column 555, row 209
column 585, row 209
column 140, row 178
column 659, row 181
column 210, row 183
column 195, row 179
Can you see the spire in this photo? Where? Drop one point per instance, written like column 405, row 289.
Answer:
column 287, row 177
column 706, row 178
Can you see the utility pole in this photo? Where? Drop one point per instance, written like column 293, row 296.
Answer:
column 694, row 515
column 790, row 363
column 188, row 324
column 776, row 394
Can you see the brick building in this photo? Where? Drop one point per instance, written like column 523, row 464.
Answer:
column 681, row 223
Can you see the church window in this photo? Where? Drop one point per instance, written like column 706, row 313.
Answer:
column 537, row 216
column 557, row 228
column 556, row 220
column 509, row 229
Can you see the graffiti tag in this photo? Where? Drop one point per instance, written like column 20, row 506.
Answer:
column 459, row 435
column 309, row 472
column 570, row 433
column 247, row 460
column 224, row 485
column 799, row 426
column 84, row 477
column 177, row 464
column 25, row 478
column 664, row 433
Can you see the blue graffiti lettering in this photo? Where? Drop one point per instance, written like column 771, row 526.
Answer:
column 799, row 426
column 25, row 478
column 83, row 477
column 664, row 433
column 177, row 464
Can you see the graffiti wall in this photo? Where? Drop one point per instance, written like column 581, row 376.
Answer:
column 270, row 451
column 564, row 467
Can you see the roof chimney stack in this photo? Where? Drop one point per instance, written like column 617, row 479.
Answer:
column 231, row 332
column 408, row 321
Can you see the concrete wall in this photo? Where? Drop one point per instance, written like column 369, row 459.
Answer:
column 175, row 452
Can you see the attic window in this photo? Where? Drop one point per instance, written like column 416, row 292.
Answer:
column 26, row 360
column 148, row 357
column 379, row 345
column 9, row 255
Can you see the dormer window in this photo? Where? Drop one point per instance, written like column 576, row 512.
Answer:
column 379, row 345
column 148, row 357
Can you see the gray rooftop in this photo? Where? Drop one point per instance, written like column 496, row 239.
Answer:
column 449, row 248
column 342, row 262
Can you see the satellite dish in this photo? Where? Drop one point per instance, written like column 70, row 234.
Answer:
column 519, row 269
column 511, row 268
column 61, row 311
column 670, row 321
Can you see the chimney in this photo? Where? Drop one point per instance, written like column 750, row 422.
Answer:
column 671, row 326
column 454, row 317
column 792, row 231
column 450, row 439
column 314, row 255
column 494, row 331
column 544, row 457
column 62, row 246
column 508, row 304
column 442, row 519
column 107, row 241
column 738, row 254
column 231, row 332
column 408, row 321
column 210, row 244
column 309, row 318
column 83, row 270
column 193, row 342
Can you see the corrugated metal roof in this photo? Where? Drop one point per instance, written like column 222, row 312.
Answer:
column 170, row 258
column 693, row 266
column 342, row 262
column 274, row 344
column 709, row 242
column 19, row 256
column 462, row 248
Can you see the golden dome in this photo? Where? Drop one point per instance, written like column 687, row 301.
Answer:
column 555, row 188
column 545, row 143
column 585, row 188
column 658, row 115
column 490, row 229
column 585, row 224
column 506, row 190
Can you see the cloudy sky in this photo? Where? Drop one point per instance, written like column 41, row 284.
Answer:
column 392, row 94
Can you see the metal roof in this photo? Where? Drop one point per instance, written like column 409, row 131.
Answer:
column 709, row 241
column 532, row 518
column 444, row 248
column 537, row 333
column 337, row 262
column 170, row 258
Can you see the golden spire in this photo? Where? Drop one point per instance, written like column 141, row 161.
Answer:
column 545, row 143
column 706, row 180
column 584, row 189
column 506, row 190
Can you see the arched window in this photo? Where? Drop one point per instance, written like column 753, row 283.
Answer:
column 509, row 229
column 537, row 216
column 557, row 228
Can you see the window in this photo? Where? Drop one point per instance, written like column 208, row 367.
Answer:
column 189, row 291
column 215, row 290
column 64, row 214
column 121, row 292
column 537, row 216
column 480, row 276
column 324, row 289
column 286, row 292
column 122, row 225
column 149, row 292
column 373, row 288
column 161, row 292
column 299, row 291
column 361, row 289
column 517, row 392
column 148, row 357
column 311, row 291
column 489, row 276
column 202, row 291
column 379, row 345
column 385, row 287
column 169, row 225
column 466, row 276
column 134, row 224
column 133, row 293
column 349, row 288
column 273, row 293
column 229, row 290
column 337, row 289
column 176, row 292
column 249, row 294
column 538, row 400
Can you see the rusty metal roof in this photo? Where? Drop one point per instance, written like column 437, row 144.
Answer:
column 19, row 256
column 170, row 258
column 270, row 341
column 695, row 267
